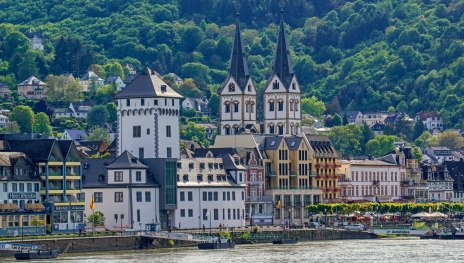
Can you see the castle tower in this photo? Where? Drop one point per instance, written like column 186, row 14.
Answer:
column 238, row 94
column 148, row 118
column 282, row 96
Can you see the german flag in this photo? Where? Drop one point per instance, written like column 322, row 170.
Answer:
column 92, row 205
column 278, row 204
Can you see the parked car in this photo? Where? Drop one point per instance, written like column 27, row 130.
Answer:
column 355, row 227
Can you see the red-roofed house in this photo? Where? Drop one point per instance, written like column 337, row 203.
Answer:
column 431, row 120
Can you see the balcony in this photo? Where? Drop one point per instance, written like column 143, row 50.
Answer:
column 52, row 177
column 259, row 199
column 287, row 204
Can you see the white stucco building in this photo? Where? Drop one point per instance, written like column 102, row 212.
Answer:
column 366, row 180
column 122, row 190
column 208, row 195
column 148, row 118
column 430, row 119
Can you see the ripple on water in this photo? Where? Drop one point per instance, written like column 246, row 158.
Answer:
column 385, row 250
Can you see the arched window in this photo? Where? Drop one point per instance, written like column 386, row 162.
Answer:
column 271, row 129
column 235, row 106
column 227, row 105
column 148, row 131
column 271, row 105
column 252, row 107
column 227, row 130
column 231, row 87
column 247, row 107
column 296, row 105
column 291, row 105
column 281, row 105
column 235, row 129
column 281, row 129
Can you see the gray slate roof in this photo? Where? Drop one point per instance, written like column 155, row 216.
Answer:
column 147, row 85
column 126, row 161
column 238, row 67
column 282, row 66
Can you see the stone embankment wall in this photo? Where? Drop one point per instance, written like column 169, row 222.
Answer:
column 93, row 244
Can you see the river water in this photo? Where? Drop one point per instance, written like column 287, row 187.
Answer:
column 385, row 250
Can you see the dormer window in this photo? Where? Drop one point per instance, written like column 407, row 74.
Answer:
column 163, row 88
column 101, row 178
column 231, row 87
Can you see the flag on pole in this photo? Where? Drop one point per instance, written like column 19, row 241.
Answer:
column 92, row 205
column 278, row 204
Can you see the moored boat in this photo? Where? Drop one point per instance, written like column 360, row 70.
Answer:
column 284, row 241
column 219, row 243
column 38, row 254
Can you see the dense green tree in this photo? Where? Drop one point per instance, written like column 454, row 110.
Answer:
column 112, row 112
column 98, row 116
column 62, row 89
column 312, row 106
column 450, row 139
column 347, row 139
column 42, row 124
column 419, row 129
column 189, row 89
column 337, row 120
column 424, row 140
column 97, row 134
column 113, row 68
column 214, row 104
column 195, row 132
column 24, row 117
column 381, row 145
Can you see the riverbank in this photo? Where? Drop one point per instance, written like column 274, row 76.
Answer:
column 117, row 243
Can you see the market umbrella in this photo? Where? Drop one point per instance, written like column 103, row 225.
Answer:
column 438, row 214
column 421, row 215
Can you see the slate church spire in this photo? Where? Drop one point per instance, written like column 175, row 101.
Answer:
column 282, row 66
column 238, row 94
column 238, row 67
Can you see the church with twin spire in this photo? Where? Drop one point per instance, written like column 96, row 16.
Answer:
column 282, row 94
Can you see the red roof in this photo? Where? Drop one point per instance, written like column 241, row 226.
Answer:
column 423, row 115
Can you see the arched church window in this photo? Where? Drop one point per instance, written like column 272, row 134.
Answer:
column 281, row 105
column 148, row 131
column 236, row 106
column 281, row 129
column 271, row 105
column 227, row 105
